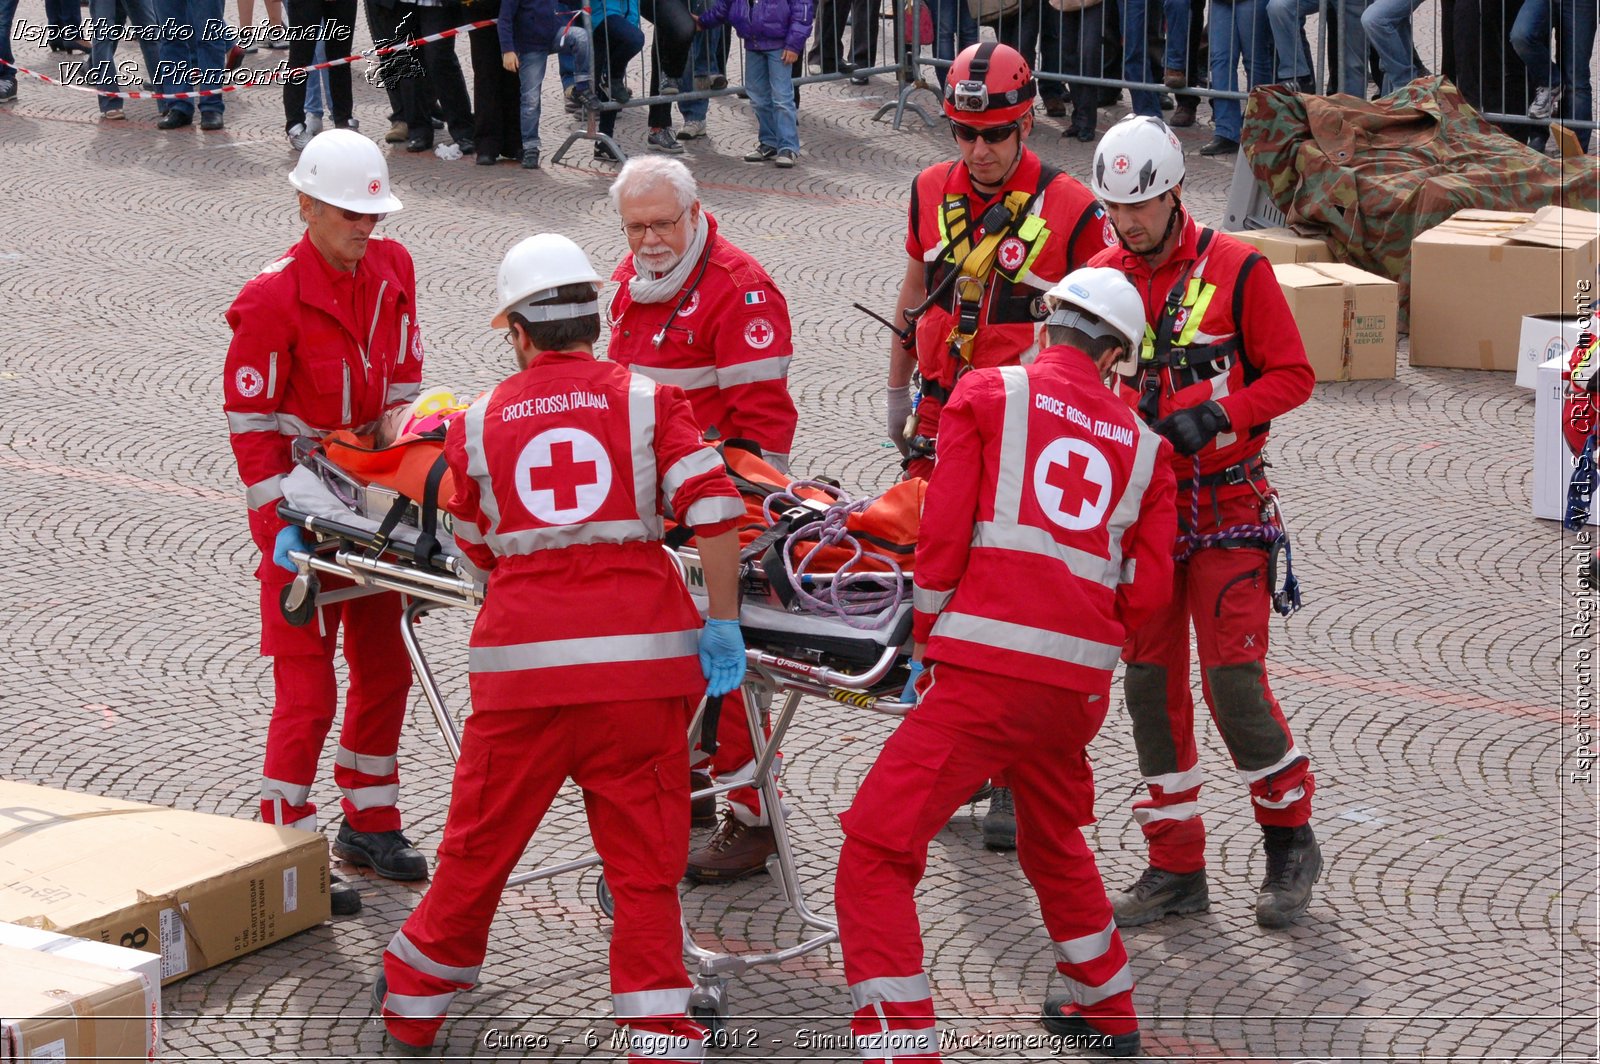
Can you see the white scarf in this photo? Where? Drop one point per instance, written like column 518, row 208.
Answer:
column 645, row 287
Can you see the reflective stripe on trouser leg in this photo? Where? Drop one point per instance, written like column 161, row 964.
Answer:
column 893, row 1018
column 304, row 703
column 375, row 707
column 512, row 764
column 1232, row 606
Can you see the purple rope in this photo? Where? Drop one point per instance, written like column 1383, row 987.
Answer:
column 846, row 597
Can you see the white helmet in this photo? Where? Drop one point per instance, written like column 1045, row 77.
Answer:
column 345, row 169
column 1138, row 159
column 1116, row 309
column 533, row 269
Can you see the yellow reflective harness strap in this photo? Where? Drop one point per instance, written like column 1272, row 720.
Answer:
column 976, row 267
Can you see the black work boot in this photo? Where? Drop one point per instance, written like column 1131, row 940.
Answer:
column 343, row 898
column 1062, row 1018
column 388, row 853
column 1161, row 893
column 1294, row 861
column 1000, row 822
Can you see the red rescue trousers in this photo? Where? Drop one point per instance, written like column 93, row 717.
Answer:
column 1223, row 591
column 736, row 756
column 632, row 761
column 306, row 699
column 969, row 726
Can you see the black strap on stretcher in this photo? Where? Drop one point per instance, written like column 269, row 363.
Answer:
column 427, row 550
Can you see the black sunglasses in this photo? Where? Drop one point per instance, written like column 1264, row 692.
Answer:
column 990, row 134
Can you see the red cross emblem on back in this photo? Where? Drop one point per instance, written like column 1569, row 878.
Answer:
column 1072, row 483
column 1076, row 489
column 563, row 476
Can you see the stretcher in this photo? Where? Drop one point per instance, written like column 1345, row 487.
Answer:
column 369, row 540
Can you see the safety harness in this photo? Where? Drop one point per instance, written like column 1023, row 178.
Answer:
column 1169, row 345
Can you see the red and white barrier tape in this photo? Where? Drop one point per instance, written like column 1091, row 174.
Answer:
column 271, row 77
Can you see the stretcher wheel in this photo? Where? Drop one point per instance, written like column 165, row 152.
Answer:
column 301, row 615
column 602, row 896
column 713, row 1021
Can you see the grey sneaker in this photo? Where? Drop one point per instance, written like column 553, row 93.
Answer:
column 1161, row 893
column 1545, row 101
column 764, row 153
column 1000, row 822
column 1294, row 861
column 671, row 88
column 786, row 159
column 299, row 136
column 313, row 124
column 663, row 140
column 692, row 130
column 530, row 159
column 8, row 89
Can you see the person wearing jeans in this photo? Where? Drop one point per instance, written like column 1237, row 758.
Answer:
column 1288, row 17
column 530, row 67
column 774, row 34
column 193, row 59
column 617, row 39
column 8, row 70
column 1530, row 39
column 105, row 18
column 954, row 30
column 1239, row 31
column 1388, row 28
column 1135, row 16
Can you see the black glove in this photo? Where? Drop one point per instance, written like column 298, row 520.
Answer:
column 1193, row 427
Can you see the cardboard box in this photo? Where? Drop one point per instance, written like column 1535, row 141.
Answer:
column 143, row 966
column 1285, row 246
column 1547, row 336
column 1474, row 276
column 55, row 1008
column 195, row 888
column 1347, row 318
column 1552, row 458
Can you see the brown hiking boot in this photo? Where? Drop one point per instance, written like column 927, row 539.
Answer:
column 734, row 852
column 702, row 811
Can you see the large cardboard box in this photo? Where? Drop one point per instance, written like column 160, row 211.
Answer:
column 197, row 889
column 1474, row 276
column 1547, row 336
column 1552, row 457
column 143, row 966
column 55, row 1008
column 1285, row 246
column 1347, row 319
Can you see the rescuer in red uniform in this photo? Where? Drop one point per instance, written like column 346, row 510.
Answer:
column 587, row 653
column 1046, row 534
column 1221, row 358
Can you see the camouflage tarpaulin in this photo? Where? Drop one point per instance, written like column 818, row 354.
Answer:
column 1374, row 175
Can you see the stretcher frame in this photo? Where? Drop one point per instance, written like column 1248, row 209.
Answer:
column 373, row 567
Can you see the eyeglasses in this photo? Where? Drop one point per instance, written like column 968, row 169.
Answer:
column 357, row 216
column 635, row 230
column 990, row 134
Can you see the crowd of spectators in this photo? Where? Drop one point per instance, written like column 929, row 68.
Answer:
column 1510, row 57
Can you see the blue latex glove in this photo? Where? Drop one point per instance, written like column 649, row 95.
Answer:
column 289, row 538
column 909, row 694
column 721, row 656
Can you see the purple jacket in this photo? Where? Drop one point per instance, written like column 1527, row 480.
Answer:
column 765, row 25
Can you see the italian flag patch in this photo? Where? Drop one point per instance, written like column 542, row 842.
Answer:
column 752, row 298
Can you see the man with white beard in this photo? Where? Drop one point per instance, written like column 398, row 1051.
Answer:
column 693, row 310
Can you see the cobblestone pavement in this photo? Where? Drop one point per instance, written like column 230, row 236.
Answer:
column 1429, row 675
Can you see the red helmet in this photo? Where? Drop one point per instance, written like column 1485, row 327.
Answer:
column 989, row 84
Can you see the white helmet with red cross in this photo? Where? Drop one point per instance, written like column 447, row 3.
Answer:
column 345, row 169
column 1100, row 301
column 1138, row 159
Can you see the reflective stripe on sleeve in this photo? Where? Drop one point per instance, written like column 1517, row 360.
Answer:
column 1013, row 446
column 694, row 464
column 262, row 492
column 687, row 379
column 761, row 369
column 1127, row 509
column 642, row 433
column 1006, row 635
column 929, row 601
column 478, row 464
column 289, row 425
column 592, row 650
column 238, row 422
column 403, row 393
column 712, row 510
